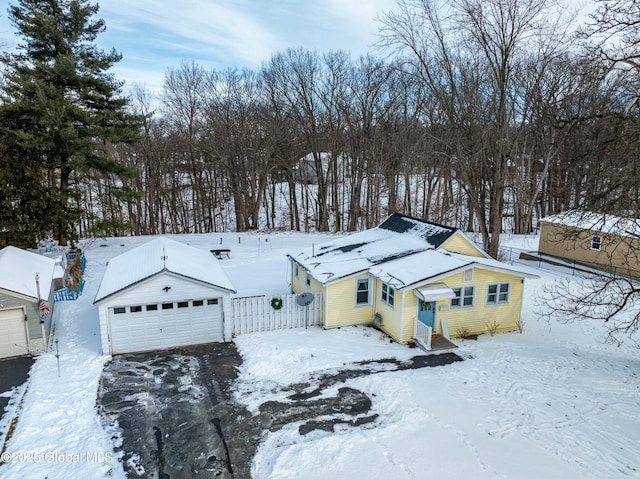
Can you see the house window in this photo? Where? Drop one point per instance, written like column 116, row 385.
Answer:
column 135, row 309
column 212, row 301
column 151, row 307
column 388, row 294
column 297, row 272
column 197, row 302
column 463, row 298
column 596, row 242
column 183, row 304
column 362, row 291
column 468, row 275
column 308, row 279
column 498, row 293
column 119, row 310
column 167, row 305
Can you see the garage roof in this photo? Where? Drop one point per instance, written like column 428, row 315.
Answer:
column 18, row 270
column 156, row 256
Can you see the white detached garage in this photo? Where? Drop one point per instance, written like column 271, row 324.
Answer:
column 160, row 295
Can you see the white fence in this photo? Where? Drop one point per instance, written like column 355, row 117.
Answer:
column 256, row 313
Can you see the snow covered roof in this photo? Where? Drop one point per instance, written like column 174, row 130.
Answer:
column 434, row 233
column 161, row 254
column 398, row 236
column 410, row 270
column 392, row 252
column 18, row 269
column 429, row 265
column 598, row 222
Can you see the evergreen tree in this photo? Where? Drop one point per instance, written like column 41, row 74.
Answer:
column 62, row 110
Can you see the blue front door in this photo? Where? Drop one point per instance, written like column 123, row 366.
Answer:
column 427, row 312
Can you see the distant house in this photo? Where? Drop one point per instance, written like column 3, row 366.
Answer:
column 601, row 241
column 163, row 294
column 25, row 321
column 407, row 274
column 305, row 170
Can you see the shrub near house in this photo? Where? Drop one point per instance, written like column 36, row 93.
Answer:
column 407, row 271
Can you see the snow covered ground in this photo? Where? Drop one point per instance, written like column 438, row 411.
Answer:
column 553, row 402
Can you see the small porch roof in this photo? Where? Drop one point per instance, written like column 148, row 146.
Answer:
column 434, row 292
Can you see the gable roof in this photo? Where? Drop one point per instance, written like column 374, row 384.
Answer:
column 402, row 251
column 432, row 265
column 18, row 270
column 396, row 237
column 157, row 256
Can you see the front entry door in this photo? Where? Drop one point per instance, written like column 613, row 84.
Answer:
column 427, row 313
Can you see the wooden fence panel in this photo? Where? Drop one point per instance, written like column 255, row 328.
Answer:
column 256, row 314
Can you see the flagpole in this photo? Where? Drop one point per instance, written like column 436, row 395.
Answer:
column 44, row 334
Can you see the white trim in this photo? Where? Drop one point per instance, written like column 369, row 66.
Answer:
column 462, row 296
column 468, row 275
column 387, row 294
column 497, row 293
column 369, row 295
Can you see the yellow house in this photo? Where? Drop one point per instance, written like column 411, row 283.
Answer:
column 412, row 278
column 607, row 242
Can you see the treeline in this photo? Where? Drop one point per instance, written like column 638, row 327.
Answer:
column 513, row 121
column 481, row 114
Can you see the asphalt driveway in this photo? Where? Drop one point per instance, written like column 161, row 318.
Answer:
column 13, row 373
column 178, row 419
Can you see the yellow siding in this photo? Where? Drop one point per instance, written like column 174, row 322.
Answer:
column 342, row 304
column 481, row 318
column 299, row 285
column 410, row 316
column 391, row 317
column 461, row 245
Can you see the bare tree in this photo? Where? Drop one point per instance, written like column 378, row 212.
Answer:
column 469, row 54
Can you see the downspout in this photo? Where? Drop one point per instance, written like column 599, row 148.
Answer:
column 402, row 319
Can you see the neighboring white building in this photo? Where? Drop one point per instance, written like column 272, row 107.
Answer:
column 24, row 327
column 163, row 294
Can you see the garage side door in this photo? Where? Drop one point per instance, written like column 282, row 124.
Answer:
column 146, row 327
column 13, row 334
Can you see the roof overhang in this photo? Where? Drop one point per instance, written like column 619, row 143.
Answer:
column 101, row 299
column 434, row 292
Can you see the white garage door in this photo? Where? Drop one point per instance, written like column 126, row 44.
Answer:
column 13, row 333
column 145, row 327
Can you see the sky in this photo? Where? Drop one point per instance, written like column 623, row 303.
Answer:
column 156, row 35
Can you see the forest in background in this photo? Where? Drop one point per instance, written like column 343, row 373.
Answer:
column 478, row 114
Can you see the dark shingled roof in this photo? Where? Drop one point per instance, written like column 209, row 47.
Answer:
column 434, row 233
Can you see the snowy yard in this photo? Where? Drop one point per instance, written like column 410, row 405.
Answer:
column 553, row 402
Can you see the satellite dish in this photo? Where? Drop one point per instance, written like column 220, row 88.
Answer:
column 304, row 299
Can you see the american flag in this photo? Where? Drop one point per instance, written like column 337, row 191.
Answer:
column 44, row 309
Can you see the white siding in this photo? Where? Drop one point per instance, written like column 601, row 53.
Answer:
column 149, row 330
